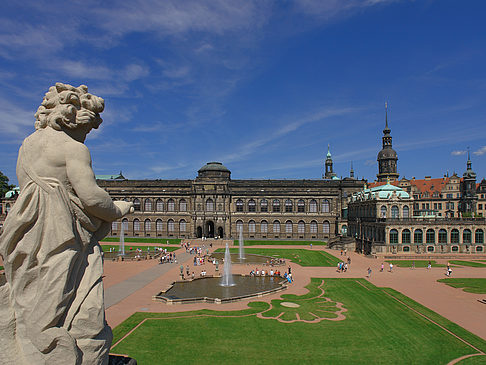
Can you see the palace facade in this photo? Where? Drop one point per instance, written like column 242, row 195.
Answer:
column 214, row 205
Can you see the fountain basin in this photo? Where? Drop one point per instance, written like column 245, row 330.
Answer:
column 250, row 259
column 209, row 289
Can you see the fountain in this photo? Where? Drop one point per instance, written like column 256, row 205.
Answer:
column 242, row 243
column 227, row 279
column 121, row 249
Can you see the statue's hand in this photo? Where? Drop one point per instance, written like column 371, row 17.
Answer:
column 125, row 207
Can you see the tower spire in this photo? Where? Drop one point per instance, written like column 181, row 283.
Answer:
column 386, row 115
column 351, row 172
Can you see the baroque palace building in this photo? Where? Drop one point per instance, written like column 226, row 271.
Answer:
column 442, row 215
column 214, row 205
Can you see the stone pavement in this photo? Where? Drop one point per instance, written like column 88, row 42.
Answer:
column 116, row 293
column 419, row 284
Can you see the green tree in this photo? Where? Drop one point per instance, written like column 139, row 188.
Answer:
column 4, row 185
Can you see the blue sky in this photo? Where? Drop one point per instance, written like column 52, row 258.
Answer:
column 262, row 86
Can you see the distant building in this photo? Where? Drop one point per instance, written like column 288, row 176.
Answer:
column 379, row 218
column 214, row 205
column 387, row 157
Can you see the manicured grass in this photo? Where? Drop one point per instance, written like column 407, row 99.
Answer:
column 297, row 255
column 280, row 242
column 170, row 241
column 106, row 248
column 377, row 329
column 418, row 263
column 467, row 263
column 470, row 285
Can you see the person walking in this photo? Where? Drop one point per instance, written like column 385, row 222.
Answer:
column 369, row 272
column 391, row 267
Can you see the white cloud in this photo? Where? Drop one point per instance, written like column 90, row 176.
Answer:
column 15, row 121
column 481, row 151
column 458, row 153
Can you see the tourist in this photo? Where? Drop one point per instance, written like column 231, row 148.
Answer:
column 187, row 270
column 349, row 260
column 345, row 252
column 193, row 275
column 413, row 264
column 339, row 267
column 271, row 272
column 345, row 267
column 449, row 271
column 391, row 267
column 369, row 272
column 382, row 267
column 311, row 245
column 429, row 265
column 290, row 270
column 341, row 251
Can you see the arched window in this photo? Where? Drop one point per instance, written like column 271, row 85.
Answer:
column 183, row 205
column 326, row 227
column 301, row 206
column 276, row 205
column 288, row 206
column 466, row 236
column 264, row 226
column 170, row 225
column 251, row 206
column 418, row 236
column 239, row 226
column 182, row 225
column 264, row 205
column 136, row 225
column 325, row 206
column 276, row 226
column 171, row 205
column 313, row 227
column 136, row 204
column 159, row 205
column 406, row 212
column 406, row 236
column 430, row 236
column 301, row 227
column 479, row 236
column 393, row 236
column 148, row 205
column 442, row 236
column 239, row 205
column 209, row 205
column 125, row 224
column 159, row 225
column 147, row 225
column 395, row 212
column 288, row 227
column 251, row 226
column 313, row 206
column 114, row 225
column 455, row 236
column 383, row 211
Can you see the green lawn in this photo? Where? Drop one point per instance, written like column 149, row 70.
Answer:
column 418, row 263
column 379, row 327
column 170, row 241
column 471, row 285
column 106, row 248
column 280, row 242
column 297, row 255
column 467, row 263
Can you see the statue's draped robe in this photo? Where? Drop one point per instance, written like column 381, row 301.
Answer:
column 51, row 308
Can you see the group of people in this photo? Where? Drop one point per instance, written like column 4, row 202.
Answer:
column 342, row 266
column 167, row 257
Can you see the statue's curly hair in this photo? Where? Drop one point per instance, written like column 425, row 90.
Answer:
column 61, row 105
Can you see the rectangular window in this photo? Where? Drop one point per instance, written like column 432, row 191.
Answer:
column 435, row 206
column 449, row 196
column 480, row 206
column 440, row 205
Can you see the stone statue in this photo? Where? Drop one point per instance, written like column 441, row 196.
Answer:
column 51, row 307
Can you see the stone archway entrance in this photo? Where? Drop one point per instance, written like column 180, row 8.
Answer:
column 210, row 229
column 220, row 232
column 199, row 232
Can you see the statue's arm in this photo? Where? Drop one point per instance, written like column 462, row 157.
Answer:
column 81, row 176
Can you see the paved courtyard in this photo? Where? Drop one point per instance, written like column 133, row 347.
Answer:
column 129, row 286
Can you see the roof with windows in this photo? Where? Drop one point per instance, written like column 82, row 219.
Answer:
column 382, row 192
column 11, row 193
column 111, row 177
